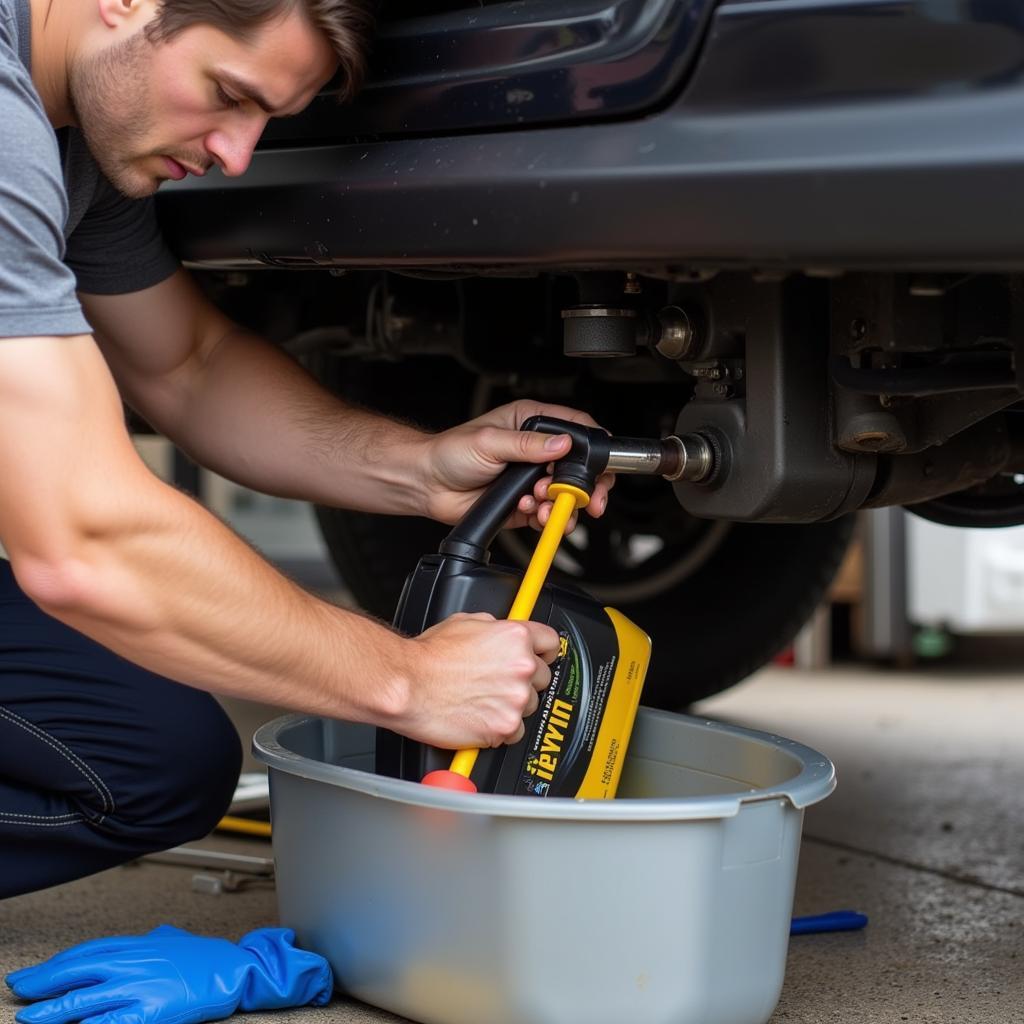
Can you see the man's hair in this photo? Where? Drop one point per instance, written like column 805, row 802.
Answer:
column 346, row 23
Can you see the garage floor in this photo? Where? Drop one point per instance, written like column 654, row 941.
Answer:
column 925, row 834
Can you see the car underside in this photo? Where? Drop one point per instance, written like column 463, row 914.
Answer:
column 788, row 227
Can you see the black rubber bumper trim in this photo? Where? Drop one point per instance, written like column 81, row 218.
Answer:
column 931, row 183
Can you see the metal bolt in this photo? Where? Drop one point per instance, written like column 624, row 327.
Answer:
column 675, row 333
column 632, row 286
column 873, row 440
column 694, row 458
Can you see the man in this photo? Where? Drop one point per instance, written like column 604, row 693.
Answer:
column 119, row 588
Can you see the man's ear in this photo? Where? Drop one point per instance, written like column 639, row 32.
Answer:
column 126, row 14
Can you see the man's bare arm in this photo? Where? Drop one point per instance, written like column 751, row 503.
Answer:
column 101, row 544
column 240, row 406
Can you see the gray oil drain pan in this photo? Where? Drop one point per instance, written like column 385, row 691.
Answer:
column 668, row 905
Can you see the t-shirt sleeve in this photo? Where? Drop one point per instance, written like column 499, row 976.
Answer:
column 117, row 247
column 37, row 291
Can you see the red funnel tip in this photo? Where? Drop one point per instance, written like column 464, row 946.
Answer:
column 445, row 779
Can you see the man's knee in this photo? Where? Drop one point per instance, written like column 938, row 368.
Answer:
column 206, row 785
column 190, row 776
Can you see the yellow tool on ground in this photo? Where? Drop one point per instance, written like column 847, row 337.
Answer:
column 231, row 823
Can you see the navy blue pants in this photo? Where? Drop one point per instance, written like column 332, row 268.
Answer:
column 100, row 760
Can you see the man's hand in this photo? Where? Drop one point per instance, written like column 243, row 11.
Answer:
column 473, row 679
column 462, row 461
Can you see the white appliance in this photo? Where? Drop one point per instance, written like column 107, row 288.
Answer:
column 968, row 581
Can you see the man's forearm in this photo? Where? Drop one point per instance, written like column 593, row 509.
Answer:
column 100, row 543
column 245, row 409
column 251, row 413
column 169, row 587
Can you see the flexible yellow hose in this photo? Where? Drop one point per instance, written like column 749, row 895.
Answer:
column 567, row 499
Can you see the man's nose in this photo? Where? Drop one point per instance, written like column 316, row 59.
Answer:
column 231, row 149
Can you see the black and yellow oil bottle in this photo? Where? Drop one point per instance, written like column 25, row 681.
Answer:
column 575, row 743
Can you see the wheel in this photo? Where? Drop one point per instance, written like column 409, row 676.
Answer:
column 995, row 504
column 718, row 599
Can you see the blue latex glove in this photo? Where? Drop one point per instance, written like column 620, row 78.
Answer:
column 171, row 977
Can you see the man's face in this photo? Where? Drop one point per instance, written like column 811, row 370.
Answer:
column 152, row 112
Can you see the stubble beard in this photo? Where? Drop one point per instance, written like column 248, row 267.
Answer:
column 110, row 97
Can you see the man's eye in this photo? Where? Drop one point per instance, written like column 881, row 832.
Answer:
column 225, row 99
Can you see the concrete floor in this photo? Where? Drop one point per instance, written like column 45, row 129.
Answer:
column 925, row 833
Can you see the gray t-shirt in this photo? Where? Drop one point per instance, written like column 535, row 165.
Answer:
column 62, row 224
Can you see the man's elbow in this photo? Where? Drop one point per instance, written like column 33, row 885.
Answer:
column 87, row 565
column 71, row 560
column 60, row 583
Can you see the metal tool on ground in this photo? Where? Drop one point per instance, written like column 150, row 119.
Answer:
column 575, row 742
column 223, row 871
